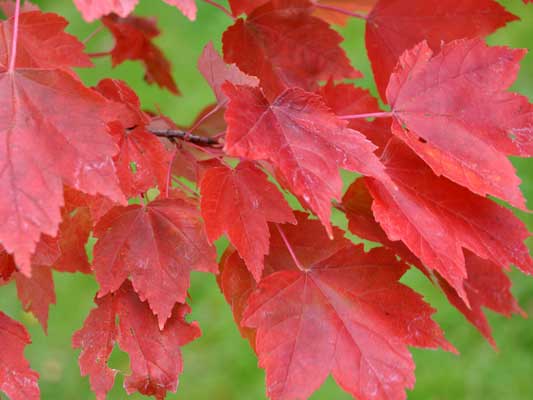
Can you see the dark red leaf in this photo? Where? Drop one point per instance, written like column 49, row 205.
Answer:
column 155, row 355
column 17, row 380
column 486, row 286
column 37, row 293
column 142, row 162
column 133, row 41
column 285, row 46
column 240, row 203
column 157, row 246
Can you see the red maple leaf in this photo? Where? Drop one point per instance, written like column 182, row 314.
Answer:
column 333, row 16
column 37, row 293
column 44, row 106
column 304, row 141
column 155, row 355
column 157, row 246
column 344, row 312
column 17, row 380
column 94, row 9
column 436, row 218
column 467, row 139
column 241, row 202
column 142, row 162
column 285, row 46
column 486, row 286
column 133, row 41
column 393, row 28
column 216, row 72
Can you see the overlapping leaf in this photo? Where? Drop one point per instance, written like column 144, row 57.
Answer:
column 155, row 355
column 453, row 109
column 216, row 72
column 486, row 284
column 142, row 161
column 241, row 202
column 285, row 46
column 94, row 9
column 156, row 246
column 17, row 380
column 304, row 141
column 393, row 28
column 43, row 106
column 436, row 219
column 134, row 41
column 345, row 313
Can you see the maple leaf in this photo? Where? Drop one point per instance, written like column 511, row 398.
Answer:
column 94, row 9
column 157, row 246
column 44, row 106
column 142, row 162
column 8, row 7
column 241, row 202
column 155, row 355
column 335, row 17
column 7, row 266
column 436, row 219
column 285, row 46
column 304, row 141
column 467, row 139
column 37, row 292
column 486, row 286
column 239, row 7
column 344, row 313
column 237, row 283
column 17, row 380
column 346, row 99
column 216, row 72
column 134, row 41
column 435, row 21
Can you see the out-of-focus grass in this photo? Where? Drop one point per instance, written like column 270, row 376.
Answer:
column 220, row 364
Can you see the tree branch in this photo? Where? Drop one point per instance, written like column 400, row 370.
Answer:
column 203, row 141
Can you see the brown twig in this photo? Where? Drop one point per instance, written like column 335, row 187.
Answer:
column 187, row 137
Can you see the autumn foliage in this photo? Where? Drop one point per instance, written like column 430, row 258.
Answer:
column 432, row 155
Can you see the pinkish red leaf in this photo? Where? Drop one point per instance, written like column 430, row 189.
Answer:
column 94, row 9
column 393, row 28
column 302, row 139
column 41, row 102
column 453, row 109
column 216, row 72
column 345, row 314
column 436, row 219
column 486, row 286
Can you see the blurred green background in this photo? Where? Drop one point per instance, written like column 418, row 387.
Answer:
column 220, row 364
